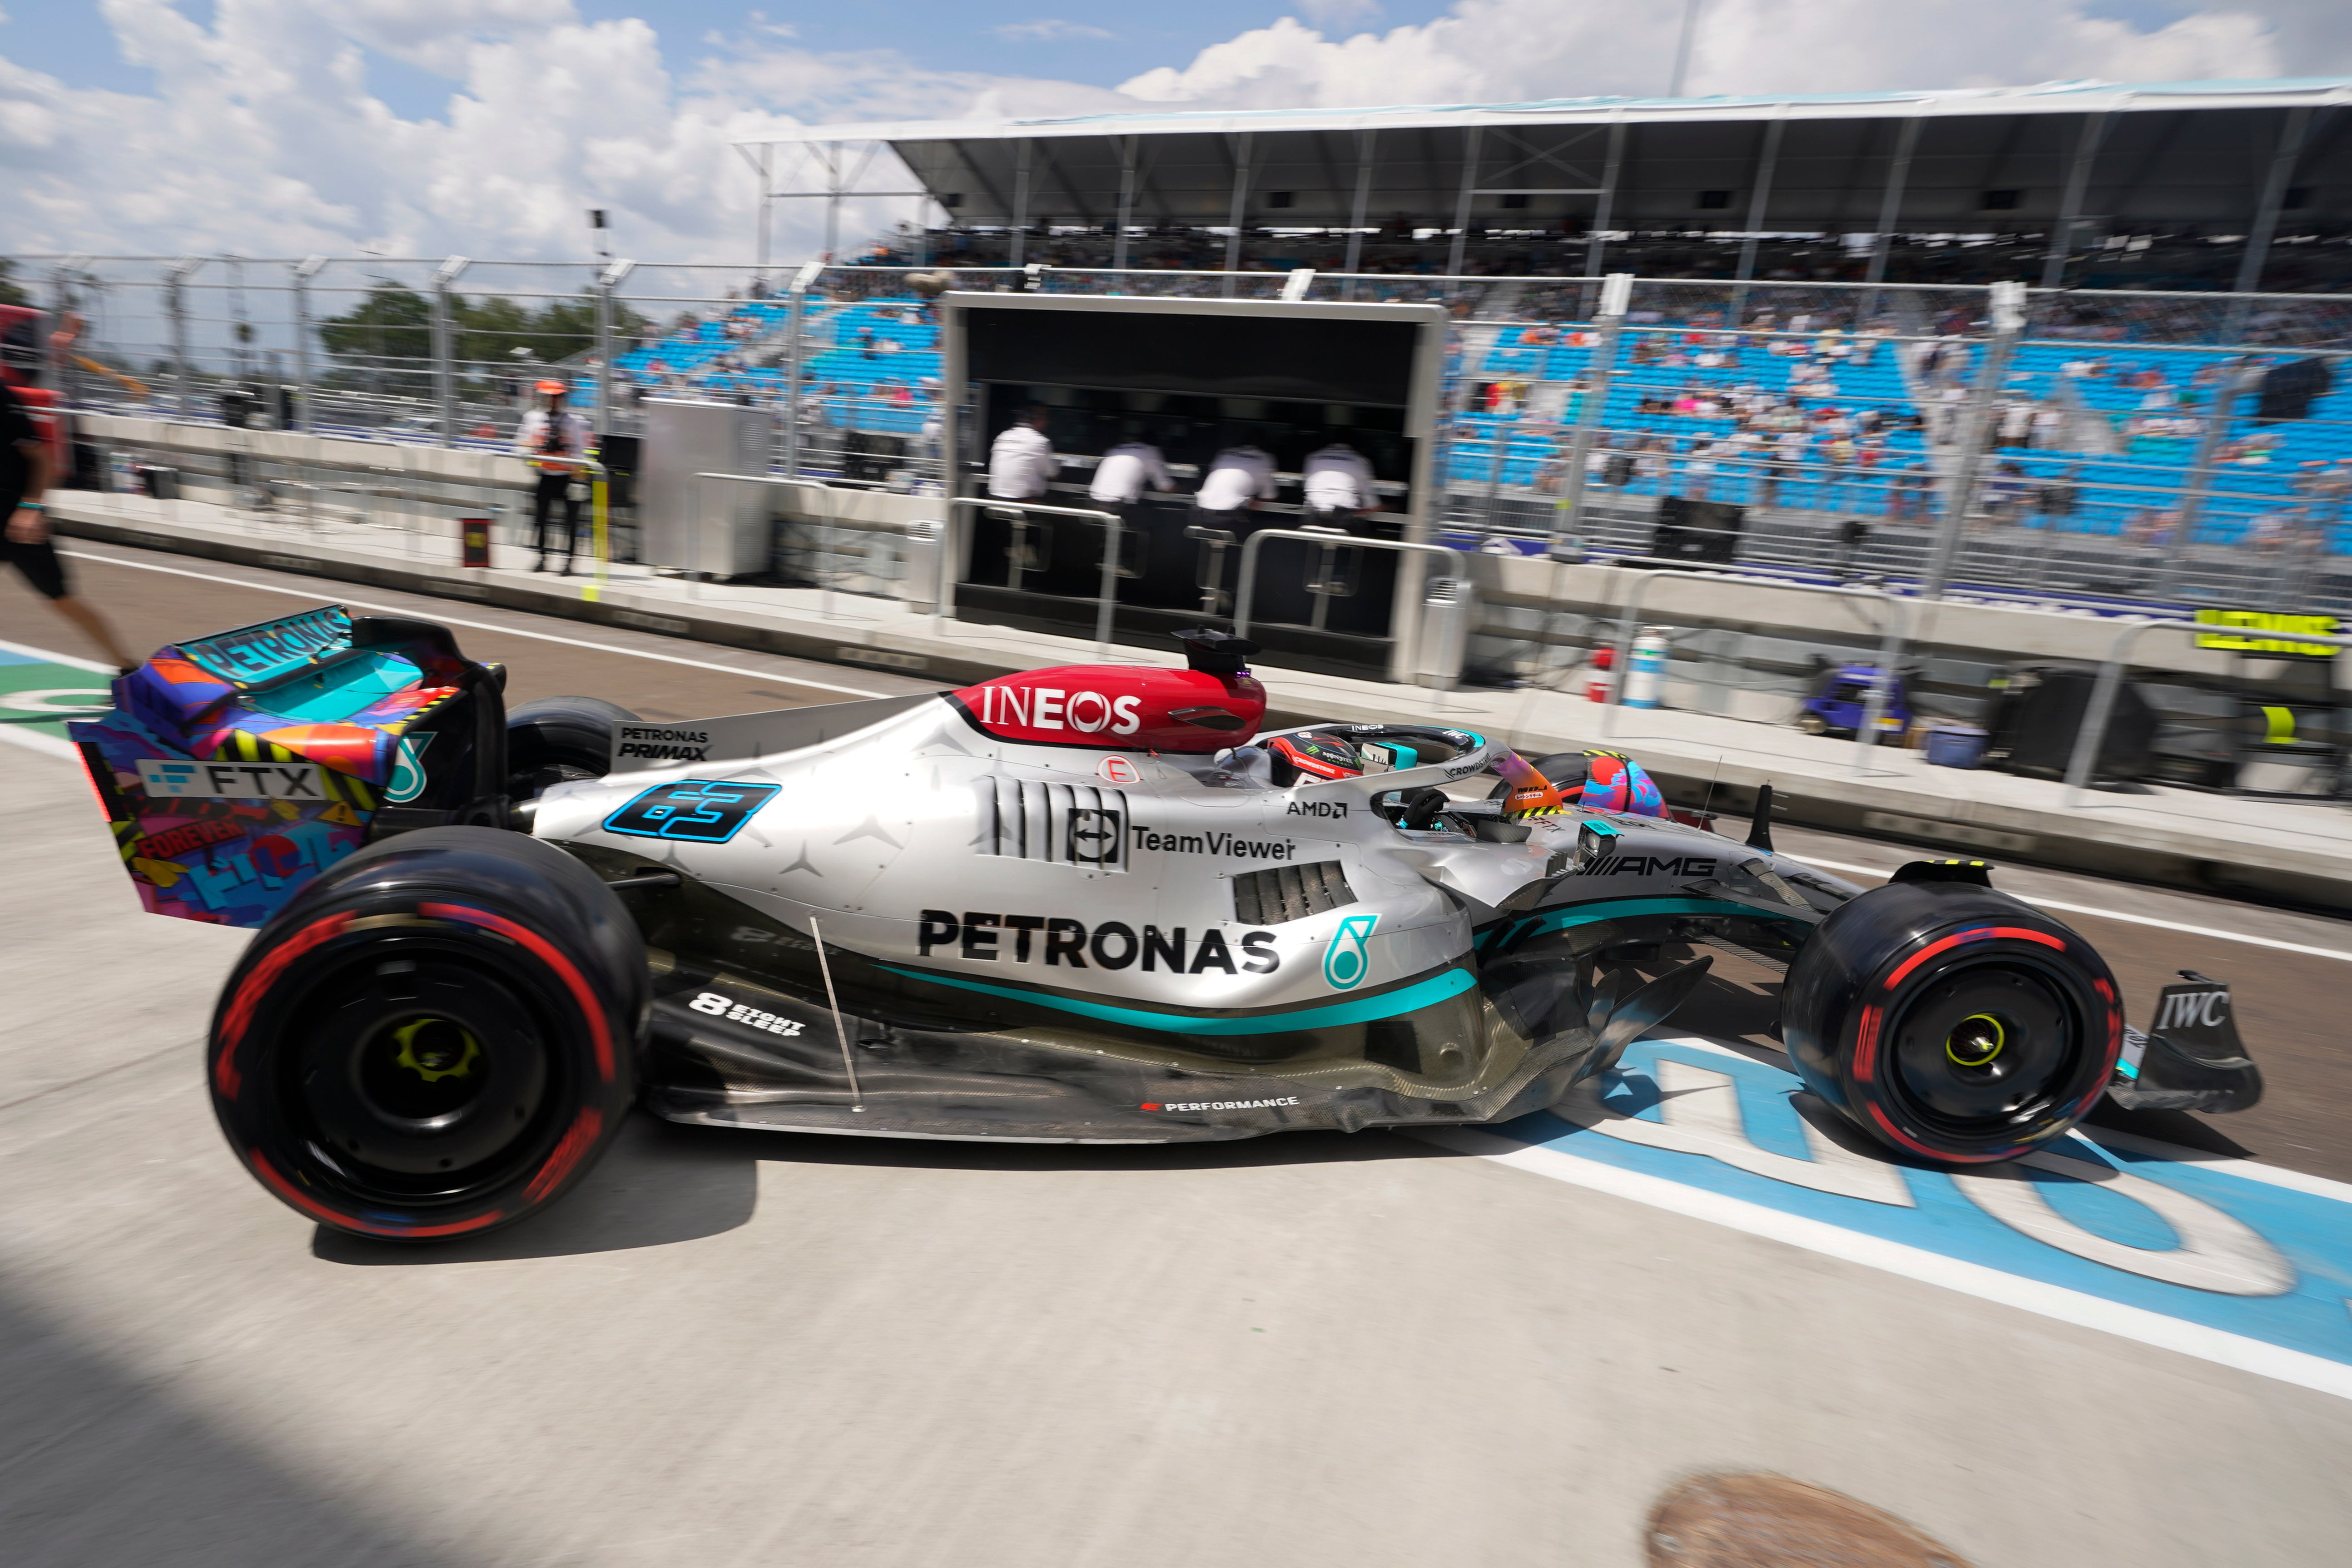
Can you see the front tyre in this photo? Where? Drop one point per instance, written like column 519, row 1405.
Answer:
column 435, row 1038
column 1952, row 1021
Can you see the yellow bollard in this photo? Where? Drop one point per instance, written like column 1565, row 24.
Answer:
column 593, row 589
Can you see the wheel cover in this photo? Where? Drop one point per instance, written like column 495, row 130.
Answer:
column 419, row 1074
column 1983, row 1048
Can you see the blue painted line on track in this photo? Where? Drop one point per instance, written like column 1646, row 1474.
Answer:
column 2312, row 1232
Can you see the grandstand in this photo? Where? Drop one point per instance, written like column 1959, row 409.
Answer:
column 2206, row 184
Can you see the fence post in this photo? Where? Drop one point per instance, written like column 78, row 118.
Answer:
column 2239, row 377
column 794, row 361
column 175, row 305
column 1616, row 295
column 304, row 271
column 1975, row 443
column 607, row 281
column 445, row 349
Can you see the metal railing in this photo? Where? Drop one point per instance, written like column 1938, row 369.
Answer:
column 2102, row 710
column 1105, row 600
column 1245, row 586
column 1890, row 652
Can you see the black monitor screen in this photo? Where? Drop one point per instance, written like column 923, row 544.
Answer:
column 1350, row 361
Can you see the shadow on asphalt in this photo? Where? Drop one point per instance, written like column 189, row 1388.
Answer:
column 663, row 1183
column 102, row 1466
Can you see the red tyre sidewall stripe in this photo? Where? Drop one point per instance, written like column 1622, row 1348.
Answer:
column 578, row 1138
column 548, row 953
column 227, row 1078
column 342, row 1221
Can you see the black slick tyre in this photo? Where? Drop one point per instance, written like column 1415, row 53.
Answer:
column 437, row 1037
column 553, row 740
column 1952, row 1021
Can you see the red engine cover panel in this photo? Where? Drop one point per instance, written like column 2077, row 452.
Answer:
column 1114, row 706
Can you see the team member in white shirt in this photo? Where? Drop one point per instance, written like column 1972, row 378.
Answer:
column 1123, row 472
column 1021, row 462
column 1237, row 478
column 554, row 441
column 1337, row 481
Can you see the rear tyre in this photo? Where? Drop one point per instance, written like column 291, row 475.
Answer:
column 554, row 740
column 437, row 1037
column 1952, row 1021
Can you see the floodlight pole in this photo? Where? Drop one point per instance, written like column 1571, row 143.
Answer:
column 304, row 271
column 445, row 372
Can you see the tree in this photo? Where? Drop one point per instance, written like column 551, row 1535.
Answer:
column 10, row 293
column 392, row 322
column 397, row 323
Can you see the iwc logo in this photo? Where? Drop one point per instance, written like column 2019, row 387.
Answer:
column 1345, row 963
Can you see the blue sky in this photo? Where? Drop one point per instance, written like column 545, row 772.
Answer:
column 70, row 40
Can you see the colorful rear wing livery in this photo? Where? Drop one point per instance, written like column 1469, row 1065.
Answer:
column 235, row 768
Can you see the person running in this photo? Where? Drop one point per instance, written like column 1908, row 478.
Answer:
column 26, row 470
column 554, row 441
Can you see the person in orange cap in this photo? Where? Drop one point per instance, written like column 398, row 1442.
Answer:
column 554, row 442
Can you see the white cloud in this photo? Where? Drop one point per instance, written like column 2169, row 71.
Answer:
column 1047, row 31
column 261, row 134
column 1517, row 49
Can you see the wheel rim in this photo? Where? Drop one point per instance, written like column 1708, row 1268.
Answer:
column 422, row 1075
column 1984, row 1050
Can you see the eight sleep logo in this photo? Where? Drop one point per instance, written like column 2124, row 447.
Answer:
column 1047, row 707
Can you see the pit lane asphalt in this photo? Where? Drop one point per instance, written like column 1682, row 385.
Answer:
column 747, row 1348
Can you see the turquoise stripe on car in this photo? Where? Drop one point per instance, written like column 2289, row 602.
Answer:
column 1619, row 908
column 1358, row 1010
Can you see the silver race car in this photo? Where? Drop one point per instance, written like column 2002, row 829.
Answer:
column 1090, row 904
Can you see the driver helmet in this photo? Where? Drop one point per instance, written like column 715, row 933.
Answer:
column 1615, row 782
column 1313, row 755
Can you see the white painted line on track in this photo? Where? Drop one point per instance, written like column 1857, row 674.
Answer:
column 2269, row 941
column 2036, row 1296
column 2252, row 1171
column 483, row 625
column 28, row 651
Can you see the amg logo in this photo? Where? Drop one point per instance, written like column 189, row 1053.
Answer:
column 2192, row 1010
column 1319, row 808
column 1654, row 866
column 1221, row 1104
column 1112, row 944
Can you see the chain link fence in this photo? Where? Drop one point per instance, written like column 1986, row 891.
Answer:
column 2110, row 446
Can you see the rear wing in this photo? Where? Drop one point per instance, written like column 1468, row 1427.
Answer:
column 235, row 768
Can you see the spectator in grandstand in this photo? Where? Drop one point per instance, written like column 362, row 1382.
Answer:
column 1238, row 478
column 554, row 443
column 1337, row 480
column 1020, row 461
column 2006, row 492
column 27, row 468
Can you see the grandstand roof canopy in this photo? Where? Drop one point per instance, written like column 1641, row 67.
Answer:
column 2089, row 155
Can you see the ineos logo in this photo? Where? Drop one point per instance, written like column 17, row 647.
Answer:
column 1050, row 707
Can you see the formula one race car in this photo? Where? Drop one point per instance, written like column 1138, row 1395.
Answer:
column 1089, row 904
